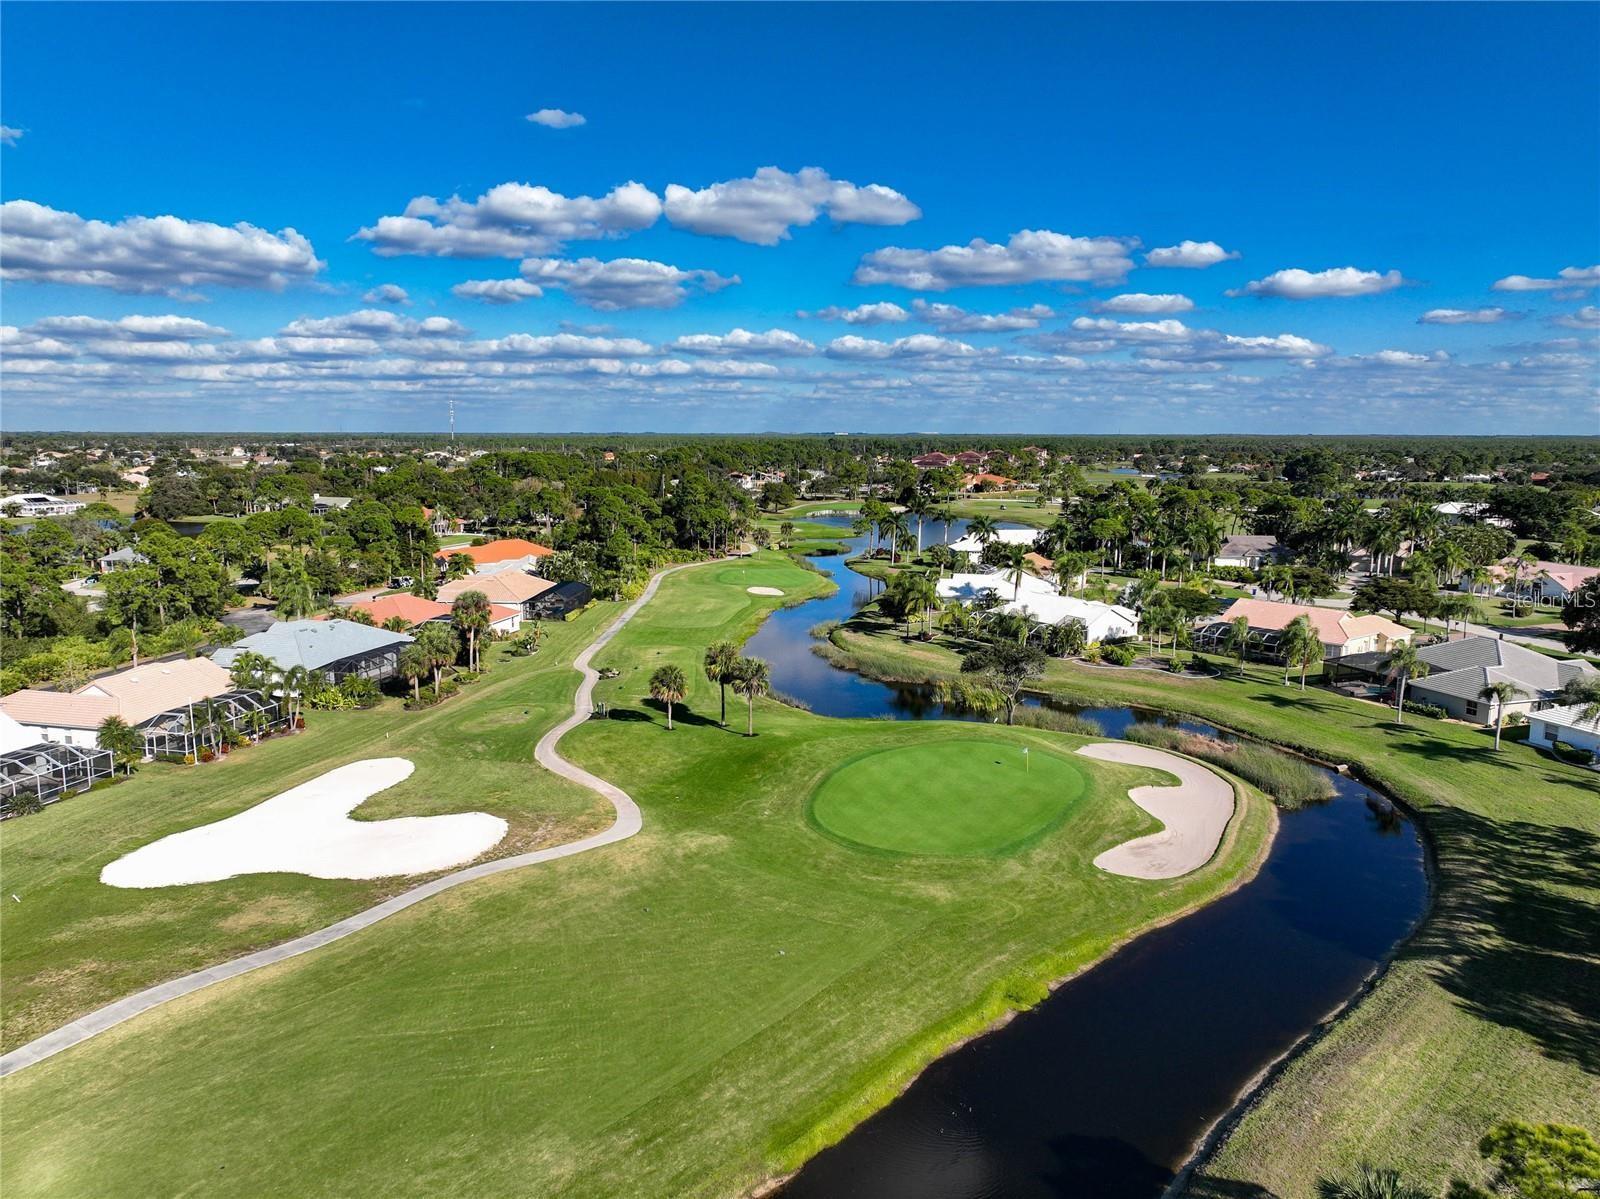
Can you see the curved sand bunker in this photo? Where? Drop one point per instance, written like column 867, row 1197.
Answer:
column 307, row 830
column 1196, row 814
column 763, row 591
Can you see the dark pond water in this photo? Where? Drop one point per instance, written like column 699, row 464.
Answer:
column 1103, row 1090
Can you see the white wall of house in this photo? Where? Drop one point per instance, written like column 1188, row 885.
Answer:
column 1477, row 711
column 1542, row 734
column 62, row 735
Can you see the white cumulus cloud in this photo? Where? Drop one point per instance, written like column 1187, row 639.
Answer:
column 511, row 220
column 373, row 322
column 147, row 255
column 1340, row 281
column 1140, row 303
column 497, row 291
column 1576, row 277
column 1189, row 255
column 918, row 345
column 744, row 343
column 1029, row 256
column 1465, row 316
column 557, row 118
column 622, row 282
column 387, row 293
column 1587, row 317
column 948, row 318
column 884, row 312
column 766, row 207
column 127, row 328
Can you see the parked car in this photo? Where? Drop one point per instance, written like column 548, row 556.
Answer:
column 402, row 582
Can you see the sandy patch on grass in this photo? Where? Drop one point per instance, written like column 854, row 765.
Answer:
column 763, row 591
column 1196, row 814
column 308, row 830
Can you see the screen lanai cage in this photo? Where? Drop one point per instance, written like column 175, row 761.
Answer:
column 43, row 773
column 1261, row 643
column 205, row 724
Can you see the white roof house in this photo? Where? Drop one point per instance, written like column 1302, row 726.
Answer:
column 970, row 544
column 1038, row 600
column 34, row 503
column 1567, row 725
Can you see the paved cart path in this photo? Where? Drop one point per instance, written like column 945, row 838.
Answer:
column 628, row 822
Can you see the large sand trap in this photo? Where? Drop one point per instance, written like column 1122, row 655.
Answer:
column 763, row 591
column 1196, row 813
column 307, row 830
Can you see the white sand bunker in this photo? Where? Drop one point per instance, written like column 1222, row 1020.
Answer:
column 1196, row 814
column 763, row 591
column 307, row 830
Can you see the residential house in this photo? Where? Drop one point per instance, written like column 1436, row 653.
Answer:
column 1567, row 725
column 1550, row 582
column 1460, row 670
column 1037, row 599
column 33, row 503
column 1341, row 633
column 986, row 481
column 121, row 559
column 335, row 648
column 417, row 611
column 141, row 695
column 321, row 505
column 1251, row 551
column 971, row 545
column 510, row 588
column 508, row 553
column 931, row 461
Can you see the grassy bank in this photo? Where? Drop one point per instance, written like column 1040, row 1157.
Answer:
column 687, row 1012
column 68, row 943
column 1491, row 1010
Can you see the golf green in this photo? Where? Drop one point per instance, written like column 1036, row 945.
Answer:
column 963, row 797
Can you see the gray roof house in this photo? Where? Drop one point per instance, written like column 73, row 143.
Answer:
column 1460, row 670
column 334, row 647
column 1250, row 550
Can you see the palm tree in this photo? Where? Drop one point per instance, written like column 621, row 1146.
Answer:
column 1369, row 1183
column 982, row 529
column 1239, row 638
column 457, row 566
column 251, row 671
column 397, row 624
column 721, row 658
column 293, row 684
column 1015, row 563
column 1499, row 695
column 470, row 614
column 124, row 741
column 359, row 616
column 1404, row 665
column 752, row 677
column 668, row 685
column 438, row 641
column 1310, row 653
column 414, row 664
column 1292, row 643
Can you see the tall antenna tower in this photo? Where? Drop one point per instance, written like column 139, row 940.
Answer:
column 452, row 424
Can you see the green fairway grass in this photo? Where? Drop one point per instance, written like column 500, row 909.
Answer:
column 1491, row 1010
column 69, row 943
column 959, row 797
column 688, row 1012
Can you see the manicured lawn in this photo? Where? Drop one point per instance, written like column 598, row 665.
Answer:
column 981, row 797
column 68, row 943
column 1491, row 1010
column 682, row 1013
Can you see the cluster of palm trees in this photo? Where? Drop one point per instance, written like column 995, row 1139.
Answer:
column 257, row 672
column 749, row 677
column 433, row 651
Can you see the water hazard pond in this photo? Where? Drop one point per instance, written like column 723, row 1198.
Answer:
column 1103, row 1090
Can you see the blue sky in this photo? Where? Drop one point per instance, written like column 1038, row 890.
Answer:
column 1349, row 168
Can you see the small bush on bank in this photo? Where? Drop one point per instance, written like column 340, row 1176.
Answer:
column 1119, row 654
column 1290, row 781
column 1417, row 708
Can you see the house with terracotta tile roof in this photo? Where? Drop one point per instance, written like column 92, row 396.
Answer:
column 416, row 611
column 1553, row 582
column 986, row 481
column 507, row 553
column 1341, row 633
column 931, row 461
